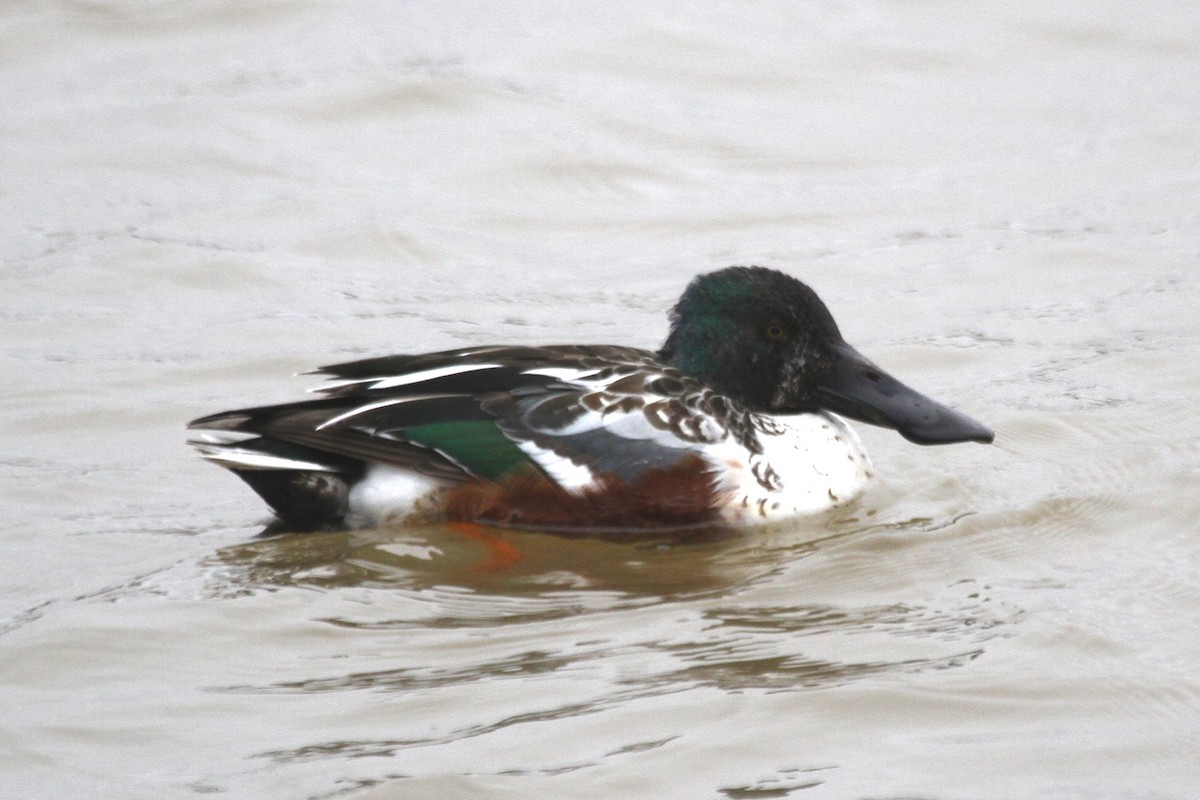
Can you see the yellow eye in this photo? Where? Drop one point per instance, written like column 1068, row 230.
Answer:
column 775, row 333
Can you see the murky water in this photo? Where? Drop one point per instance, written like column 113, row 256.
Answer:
column 998, row 202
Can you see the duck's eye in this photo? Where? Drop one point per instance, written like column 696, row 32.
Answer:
column 775, row 333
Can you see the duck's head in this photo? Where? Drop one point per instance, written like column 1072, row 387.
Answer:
column 766, row 340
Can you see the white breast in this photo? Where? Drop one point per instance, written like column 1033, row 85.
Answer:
column 810, row 463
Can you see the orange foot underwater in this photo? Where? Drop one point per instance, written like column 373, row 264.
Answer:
column 501, row 554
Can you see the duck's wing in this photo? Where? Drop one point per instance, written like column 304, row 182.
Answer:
column 573, row 413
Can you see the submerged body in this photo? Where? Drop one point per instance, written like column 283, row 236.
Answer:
column 816, row 464
column 816, row 460
column 729, row 423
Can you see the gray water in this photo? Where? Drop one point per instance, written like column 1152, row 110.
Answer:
column 998, row 201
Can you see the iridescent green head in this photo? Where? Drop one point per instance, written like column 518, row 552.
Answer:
column 766, row 340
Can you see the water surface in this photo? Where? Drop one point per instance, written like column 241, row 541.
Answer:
column 199, row 199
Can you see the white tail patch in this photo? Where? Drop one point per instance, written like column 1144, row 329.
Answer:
column 387, row 495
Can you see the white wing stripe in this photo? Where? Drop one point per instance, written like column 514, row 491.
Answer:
column 329, row 386
column 563, row 471
column 408, row 378
column 250, row 459
column 430, row 374
column 391, row 401
column 562, row 373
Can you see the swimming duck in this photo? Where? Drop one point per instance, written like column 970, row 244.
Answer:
column 733, row 421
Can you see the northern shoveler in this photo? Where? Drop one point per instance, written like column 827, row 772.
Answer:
column 732, row 421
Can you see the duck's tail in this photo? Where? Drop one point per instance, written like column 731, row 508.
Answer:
column 308, row 490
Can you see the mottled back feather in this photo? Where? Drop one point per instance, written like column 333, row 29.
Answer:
column 571, row 413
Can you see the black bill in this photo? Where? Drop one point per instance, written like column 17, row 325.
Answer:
column 856, row 388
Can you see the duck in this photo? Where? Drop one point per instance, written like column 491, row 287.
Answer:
column 738, row 419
